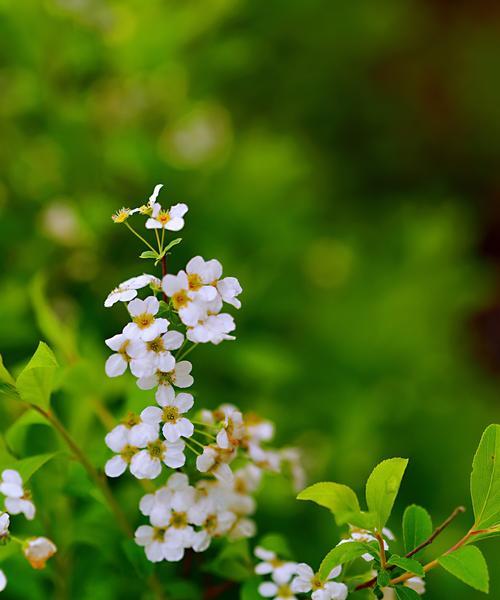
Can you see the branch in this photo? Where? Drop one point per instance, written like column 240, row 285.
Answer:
column 427, row 542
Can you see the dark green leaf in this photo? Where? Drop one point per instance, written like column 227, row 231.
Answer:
column 382, row 488
column 233, row 562
column 417, row 526
column 383, row 578
column 250, row 589
column 485, row 479
column 405, row 593
column 340, row 499
column 468, row 564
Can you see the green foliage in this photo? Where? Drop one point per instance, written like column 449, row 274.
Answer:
column 407, row 564
column 339, row 498
column 5, row 376
column 468, row 564
column 417, row 526
column 344, row 553
column 35, row 382
column 382, row 488
column 485, row 480
column 405, row 593
column 233, row 562
column 250, row 589
column 276, row 542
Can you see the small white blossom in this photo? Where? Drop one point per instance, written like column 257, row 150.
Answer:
column 127, row 290
column 125, row 441
column 281, row 570
column 3, row 581
column 147, row 463
column 171, row 219
column 153, row 541
column 232, row 431
column 212, row 328
column 38, row 551
column 154, row 355
column 117, row 363
column 180, row 377
column 17, row 500
column 144, row 325
column 214, row 461
column 170, row 414
column 4, row 525
column 186, row 302
column 307, row 580
column 202, row 274
column 277, row 590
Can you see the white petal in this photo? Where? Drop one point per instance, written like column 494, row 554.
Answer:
column 3, row 581
column 154, row 195
column 152, row 415
column 115, row 466
column 165, row 395
column 166, row 362
column 143, row 466
column 136, row 307
column 146, row 504
column 183, row 402
column 142, row 434
column 268, row 589
column 117, row 438
column 116, row 342
column 143, row 535
column 115, row 366
column 173, row 340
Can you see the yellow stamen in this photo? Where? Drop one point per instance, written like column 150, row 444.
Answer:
column 121, row 215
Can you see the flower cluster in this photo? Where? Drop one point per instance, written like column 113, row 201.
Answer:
column 209, row 499
column 17, row 500
column 289, row 578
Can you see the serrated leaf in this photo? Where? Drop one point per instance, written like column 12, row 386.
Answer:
column 417, row 526
column 407, row 564
column 341, row 554
column 468, row 565
column 149, row 254
column 35, row 381
column 403, row 592
column 485, row 479
column 382, row 488
column 339, row 498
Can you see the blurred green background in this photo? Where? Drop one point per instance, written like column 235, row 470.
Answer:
column 340, row 158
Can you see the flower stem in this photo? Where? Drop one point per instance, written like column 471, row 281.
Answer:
column 140, row 237
column 186, row 352
column 380, row 540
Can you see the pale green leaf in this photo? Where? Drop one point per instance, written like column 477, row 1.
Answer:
column 485, row 479
column 5, row 376
column 417, row 526
column 149, row 254
column 340, row 499
column 468, row 564
column 382, row 488
column 35, row 382
column 407, row 564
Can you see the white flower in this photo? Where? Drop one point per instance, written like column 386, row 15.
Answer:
column 229, row 288
column 307, row 580
column 125, row 441
column 3, row 581
column 154, row 355
column 214, row 519
column 174, row 424
column 362, row 536
column 127, row 290
column 171, row 219
column 212, row 328
column 281, row 570
column 277, row 590
column 116, row 364
column 257, row 428
column 38, row 551
column 4, row 525
column 17, row 500
column 154, row 505
column 202, row 276
column 232, row 431
column 144, row 326
column 265, row 459
column 213, row 461
column 180, row 376
column 186, row 302
column 153, row 540
column 146, row 464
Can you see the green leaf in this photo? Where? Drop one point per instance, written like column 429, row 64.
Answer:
column 342, row 554
column 403, row 592
column 468, row 565
column 27, row 467
column 382, row 488
column 233, row 562
column 383, row 578
column 340, row 499
column 137, row 558
column 407, row 564
column 17, row 432
column 171, row 245
column 361, row 519
column 149, row 254
column 485, row 479
column 417, row 526
column 250, row 589
column 35, row 382
column 5, row 376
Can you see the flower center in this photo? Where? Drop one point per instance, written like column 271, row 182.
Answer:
column 163, row 217
column 284, row 591
column 170, row 414
column 195, row 282
column 158, row 534
column 165, row 378
column 211, row 523
column 121, row 215
column 128, row 453
column 130, row 420
column 156, row 345
column 240, row 487
column 276, row 562
column 155, row 449
column 178, row 520
column 316, row 583
column 123, row 350
column 180, row 299
column 143, row 321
